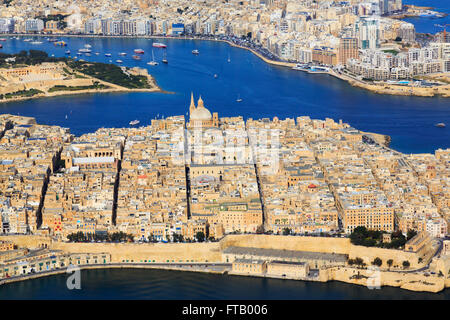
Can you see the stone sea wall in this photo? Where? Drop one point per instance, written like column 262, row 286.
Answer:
column 404, row 280
column 160, row 252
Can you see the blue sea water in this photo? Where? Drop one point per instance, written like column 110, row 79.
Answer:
column 266, row 90
column 428, row 24
column 163, row 284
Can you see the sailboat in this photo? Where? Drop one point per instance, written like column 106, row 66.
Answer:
column 153, row 62
column 229, row 60
column 164, row 60
column 239, row 98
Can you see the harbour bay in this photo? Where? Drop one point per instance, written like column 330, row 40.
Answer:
column 266, row 90
column 163, row 284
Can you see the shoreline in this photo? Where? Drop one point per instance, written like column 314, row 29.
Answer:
column 111, row 88
column 59, row 271
column 383, row 88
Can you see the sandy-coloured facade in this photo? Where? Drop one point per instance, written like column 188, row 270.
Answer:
column 129, row 253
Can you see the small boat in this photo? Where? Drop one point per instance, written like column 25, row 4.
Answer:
column 27, row 40
column 229, row 59
column 134, row 122
column 84, row 50
column 36, row 42
column 1, row 46
column 118, row 61
column 440, row 125
column 153, row 62
column 107, row 54
column 60, row 43
column 215, row 75
column 2, row 39
column 136, row 57
column 67, row 51
column 88, row 54
column 66, row 116
column 52, row 40
column 239, row 99
column 195, row 51
column 164, row 60
column 139, row 51
column 122, row 54
column 97, row 53
column 87, row 46
column 159, row 45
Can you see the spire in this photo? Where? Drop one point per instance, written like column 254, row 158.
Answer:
column 192, row 106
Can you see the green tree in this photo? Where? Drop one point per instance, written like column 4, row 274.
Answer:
column 286, row 231
column 377, row 262
column 200, row 236
column 260, row 229
column 406, row 264
column 390, row 262
column 410, row 234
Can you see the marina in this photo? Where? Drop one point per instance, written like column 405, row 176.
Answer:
column 406, row 119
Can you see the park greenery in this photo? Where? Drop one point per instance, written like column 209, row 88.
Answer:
column 26, row 58
column 109, row 73
column 373, row 238
column 105, row 72
column 104, row 237
column 20, row 93
column 96, row 85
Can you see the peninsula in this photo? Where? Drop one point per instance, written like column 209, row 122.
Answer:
column 362, row 42
column 33, row 74
column 302, row 198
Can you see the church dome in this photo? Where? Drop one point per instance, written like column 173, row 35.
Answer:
column 201, row 114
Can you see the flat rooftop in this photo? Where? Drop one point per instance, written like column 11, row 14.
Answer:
column 285, row 254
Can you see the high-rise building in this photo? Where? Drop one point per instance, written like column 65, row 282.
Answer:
column 367, row 30
column 6, row 25
column 34, row 25
column 348, row 49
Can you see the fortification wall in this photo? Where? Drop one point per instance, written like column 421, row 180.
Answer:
column 408, row 281
column 313, row 244
column 27, row 241
column 160, row 252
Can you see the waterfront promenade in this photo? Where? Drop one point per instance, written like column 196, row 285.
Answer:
column 379, row 87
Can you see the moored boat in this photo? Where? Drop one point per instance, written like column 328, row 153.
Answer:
column 136, row 57
column 159, row 45
column 440, row 125
column 139, row 51
column 153, row 62
column 134, row 122
column 195, row 51
column 107, row 54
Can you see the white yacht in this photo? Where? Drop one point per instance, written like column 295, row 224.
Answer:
column 153, row 62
